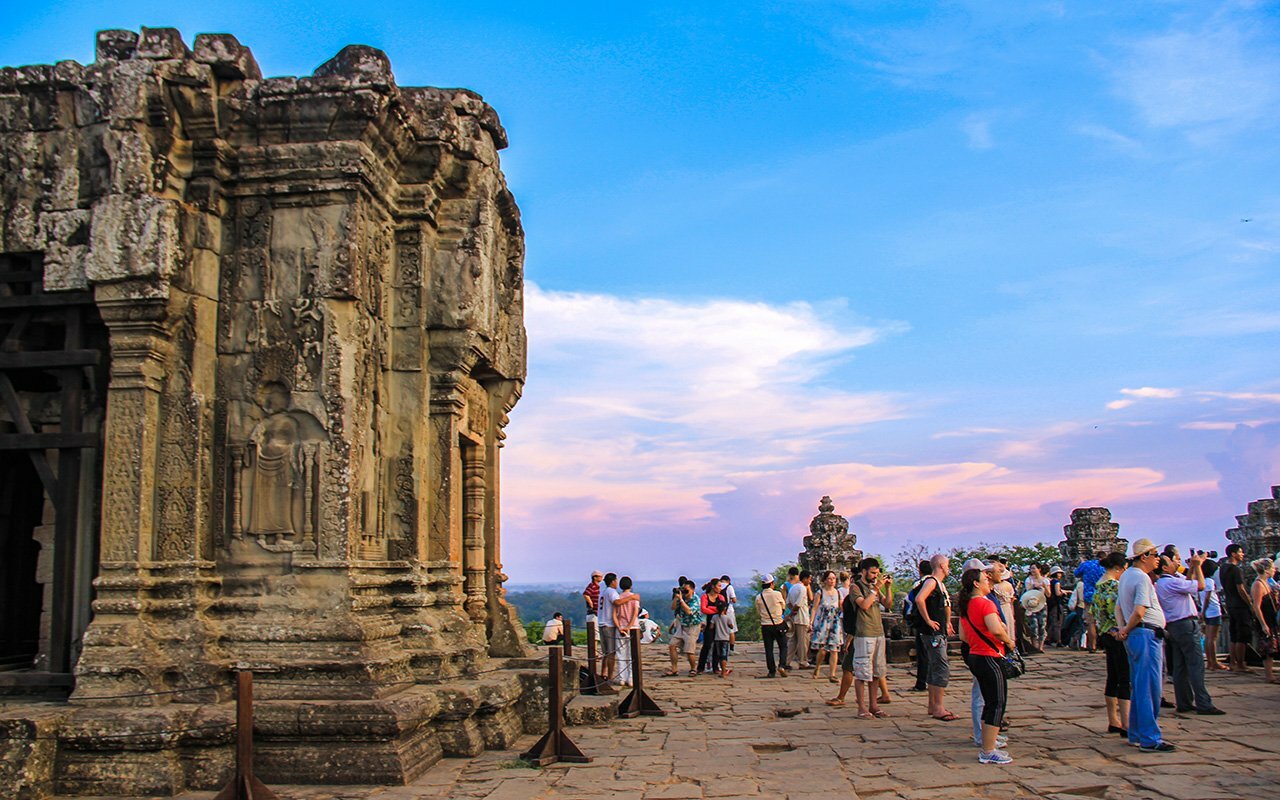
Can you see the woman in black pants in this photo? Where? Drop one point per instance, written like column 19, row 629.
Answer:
column 988, row 640
column 1116, row 692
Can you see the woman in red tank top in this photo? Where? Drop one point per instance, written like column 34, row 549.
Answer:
column 987, row 637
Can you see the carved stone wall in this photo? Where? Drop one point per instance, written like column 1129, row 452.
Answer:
column 1091, row 530
column 1258, row 530
column 314, row 293
column 829, row 545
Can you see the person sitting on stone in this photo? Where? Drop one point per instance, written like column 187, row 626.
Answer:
column 553, row 631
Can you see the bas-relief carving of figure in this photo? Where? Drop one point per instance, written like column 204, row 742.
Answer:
column 277, row 476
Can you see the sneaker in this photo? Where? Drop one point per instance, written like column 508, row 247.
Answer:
column 1001, row 743
column 994, row 757
column 1162, row 747
column 1214, row 712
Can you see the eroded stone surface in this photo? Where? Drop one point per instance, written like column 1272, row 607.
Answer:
column 721, row 738
column 313, row 289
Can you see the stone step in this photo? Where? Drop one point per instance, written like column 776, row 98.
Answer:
column 586, row 709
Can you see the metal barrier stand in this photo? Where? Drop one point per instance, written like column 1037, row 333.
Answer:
column 244, row 786
column 638, row 702
column 555, row 745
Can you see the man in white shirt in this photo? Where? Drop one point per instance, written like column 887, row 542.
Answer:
column 553, row 631
column 608, row 631
column 798, row 608
column 1140, row 625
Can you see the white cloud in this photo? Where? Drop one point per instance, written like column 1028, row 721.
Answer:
column 1114, row 138
column 635, row 409
column 977, row 130
column 1261, row 397
column 967, row 432
column 1218, row 78
column 1151, row 391
column 1132, row 396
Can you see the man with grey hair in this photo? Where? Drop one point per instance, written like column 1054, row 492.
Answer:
column 933, row 604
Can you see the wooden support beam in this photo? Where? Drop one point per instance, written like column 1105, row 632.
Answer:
column 47, row 300
column 50, row 359
column 47, row 441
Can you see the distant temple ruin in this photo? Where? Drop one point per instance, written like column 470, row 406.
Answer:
column 1091, row 530
column 829, row 545
column 259, row 339
column 1258, row 530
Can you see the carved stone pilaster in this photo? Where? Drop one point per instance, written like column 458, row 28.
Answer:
column 473, row 554
column 136, row 317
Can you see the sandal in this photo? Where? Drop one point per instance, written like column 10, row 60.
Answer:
column 835, row 703
column 879, row 714
column 947, row 717
column 693, row 673
column 865, row 715
column 884, row 701
column 833, row 679
column 671, row 673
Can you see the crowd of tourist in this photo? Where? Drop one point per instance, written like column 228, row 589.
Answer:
column 1151, row 612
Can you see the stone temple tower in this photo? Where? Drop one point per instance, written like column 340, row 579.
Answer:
column 260, row 341
column 829, row 545
column 1091, row 530
column 1258, row 530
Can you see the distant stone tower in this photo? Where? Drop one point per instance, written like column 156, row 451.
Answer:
column 1091, row 530
column 1258, row 531
column 829, row 544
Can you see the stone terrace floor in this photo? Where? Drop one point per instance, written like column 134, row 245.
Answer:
column 722, row 738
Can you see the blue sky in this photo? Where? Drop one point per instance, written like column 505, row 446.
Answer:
column 961, row 266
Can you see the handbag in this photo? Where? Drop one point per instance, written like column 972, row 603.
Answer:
column 1269, row 645
column 1011, row 662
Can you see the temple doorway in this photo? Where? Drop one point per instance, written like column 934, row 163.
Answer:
column 53, row 370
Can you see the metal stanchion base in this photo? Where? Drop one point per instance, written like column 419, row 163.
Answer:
column 245, row 787
column 555, row 746
column 639, row 703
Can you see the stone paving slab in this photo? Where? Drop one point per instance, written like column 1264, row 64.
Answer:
column 722, row 738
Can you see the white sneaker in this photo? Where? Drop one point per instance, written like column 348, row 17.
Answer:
column 1002, row 742
column 994, row 757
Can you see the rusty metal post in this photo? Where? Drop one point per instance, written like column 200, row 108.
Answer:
column 568, row 638
column 244, row 786
column 638, row 702
column 555, row 745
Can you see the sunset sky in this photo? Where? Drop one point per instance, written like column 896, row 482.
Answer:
column 960, row 266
